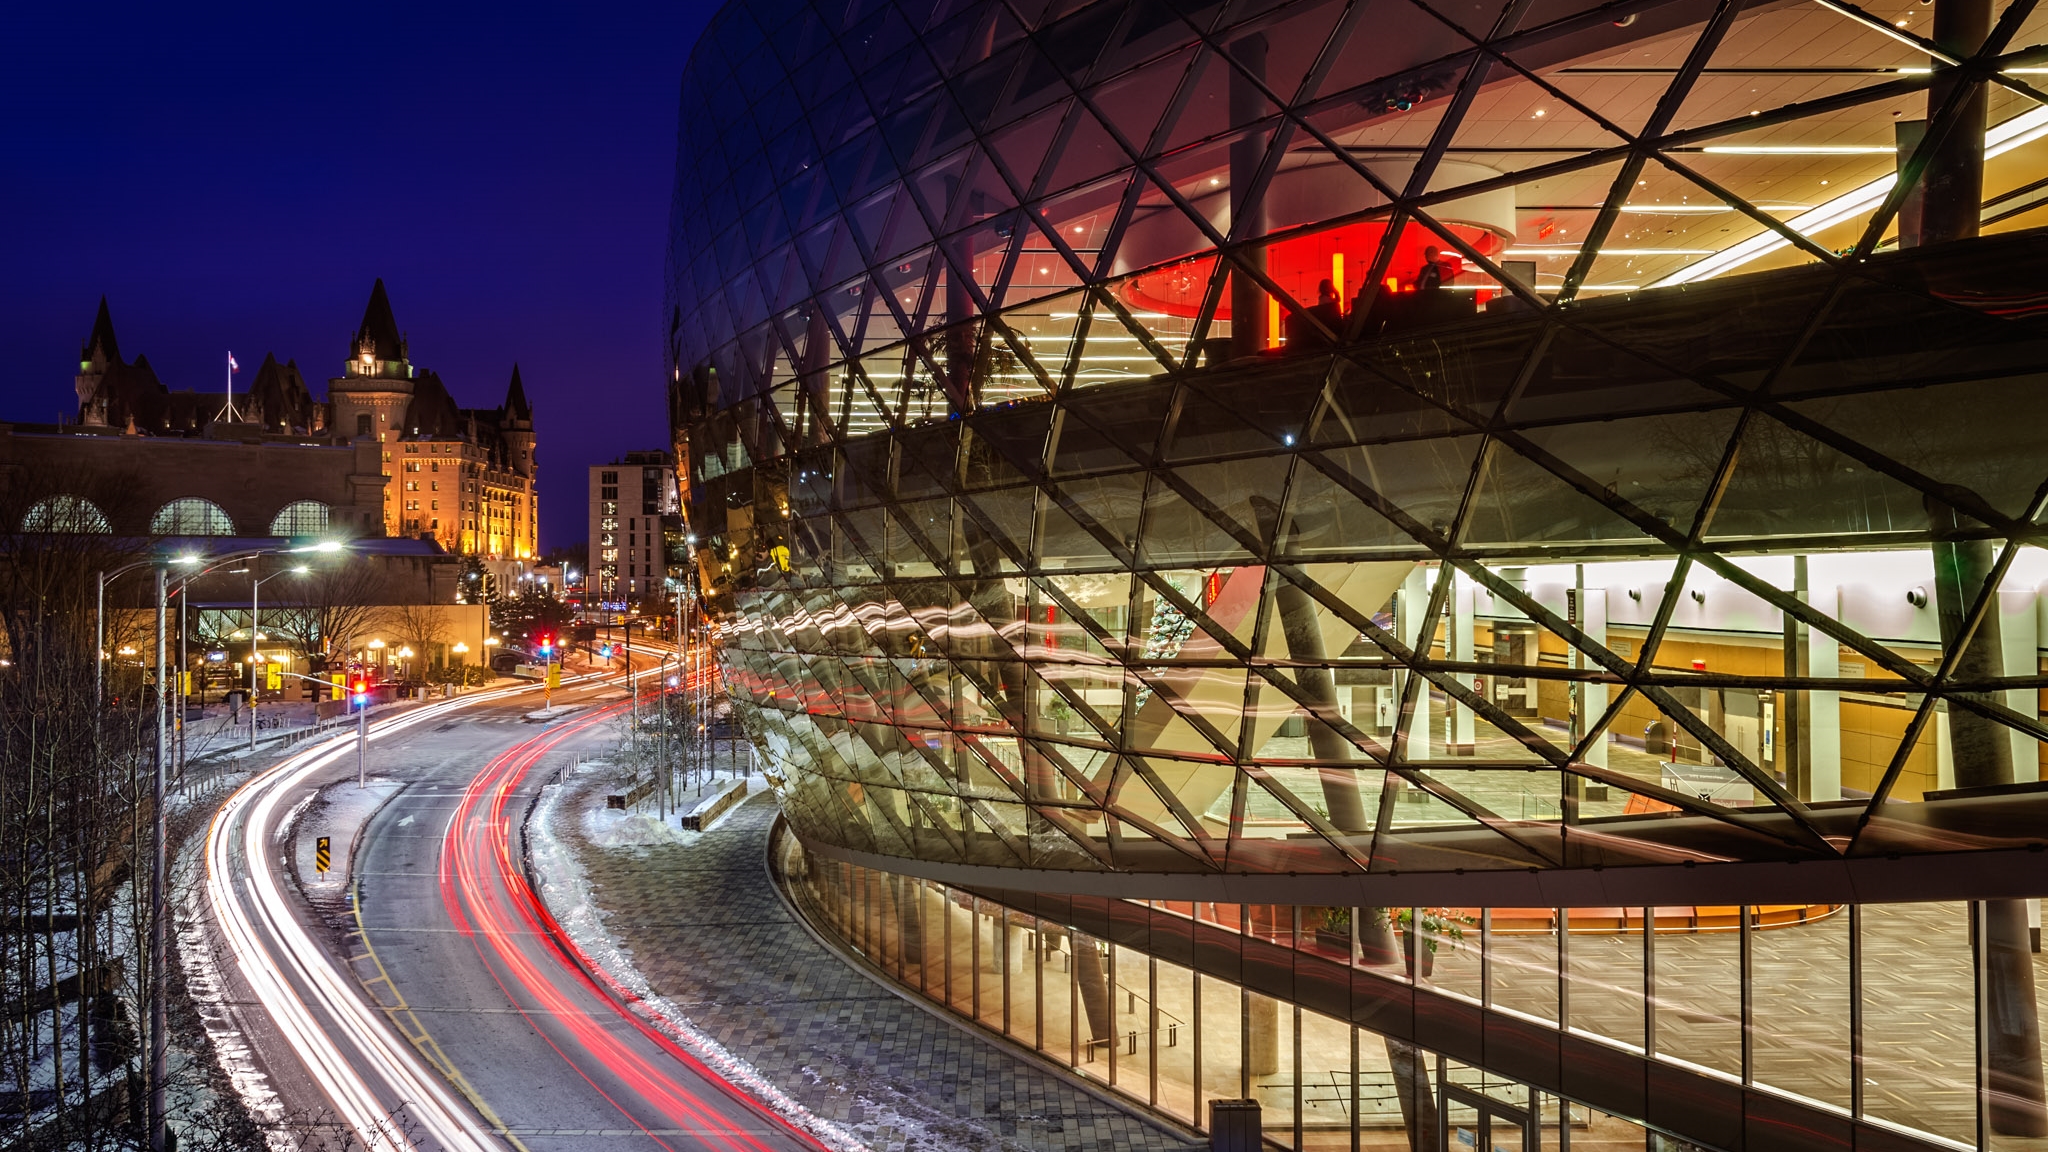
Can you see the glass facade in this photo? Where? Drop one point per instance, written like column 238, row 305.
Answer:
column 1384, row 453
column 1330, row 1016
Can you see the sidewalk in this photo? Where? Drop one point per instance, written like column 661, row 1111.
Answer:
column 697, row 915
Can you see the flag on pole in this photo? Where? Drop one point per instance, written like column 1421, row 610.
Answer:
column 232, row 366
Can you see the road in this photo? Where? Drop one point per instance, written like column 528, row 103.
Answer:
column 453, row 1019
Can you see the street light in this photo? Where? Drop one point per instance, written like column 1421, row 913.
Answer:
column 255, row 637
column 159, row 937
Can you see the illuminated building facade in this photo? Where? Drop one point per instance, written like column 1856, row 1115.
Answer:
column 632, row 512
column 1466, row 571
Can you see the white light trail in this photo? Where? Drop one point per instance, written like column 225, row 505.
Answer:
column 245, row 923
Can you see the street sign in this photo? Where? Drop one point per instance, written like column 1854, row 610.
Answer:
column 184, row 683
column 554, row 676
column 273, row 677
column 338, row 680
column 321, row 857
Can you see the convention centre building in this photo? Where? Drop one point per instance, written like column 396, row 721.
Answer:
column 1467, row 572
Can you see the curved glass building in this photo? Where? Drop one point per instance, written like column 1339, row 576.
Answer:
column 1462, row 570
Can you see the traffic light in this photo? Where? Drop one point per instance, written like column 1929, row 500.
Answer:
column 361, row 692
column 547, row 644
column 605, row 651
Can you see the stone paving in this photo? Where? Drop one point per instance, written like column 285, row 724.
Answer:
column 709, row 933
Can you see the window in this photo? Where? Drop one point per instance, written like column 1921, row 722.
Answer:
column 412, row 465
column 65, row 513
column 608, row 478
column 300, row 518
column 363, row 424
column 191, row 516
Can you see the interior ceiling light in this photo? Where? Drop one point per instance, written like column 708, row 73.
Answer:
column 2017, row 132
column 1573, row 250
column 1800, row 149
column 1676, row 209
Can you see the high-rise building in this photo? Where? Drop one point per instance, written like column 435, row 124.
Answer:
column 1471, row 573
column 633, row 505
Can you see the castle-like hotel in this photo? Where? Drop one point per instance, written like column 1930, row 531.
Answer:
column 387, row 453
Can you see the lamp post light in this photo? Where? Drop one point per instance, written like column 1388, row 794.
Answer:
column 159, row 936
column 255, row 638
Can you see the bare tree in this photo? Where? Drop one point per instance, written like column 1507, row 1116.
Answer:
column 421, row 626
column 73, row 809
column 335, row 605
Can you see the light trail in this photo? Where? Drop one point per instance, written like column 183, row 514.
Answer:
column 276, row 975
column 489, row 899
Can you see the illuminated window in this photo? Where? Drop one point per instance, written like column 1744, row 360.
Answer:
column 66, row 513
column 300, row 518
column 191, row 516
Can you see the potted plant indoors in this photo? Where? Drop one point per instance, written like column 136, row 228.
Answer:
column 1334, row 929
column 1439, row 927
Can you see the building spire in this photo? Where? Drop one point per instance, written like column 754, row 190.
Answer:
column 378, row 335
column 516, row 407
column 102, row 336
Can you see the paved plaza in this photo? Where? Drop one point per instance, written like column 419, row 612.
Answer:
column 704, row 925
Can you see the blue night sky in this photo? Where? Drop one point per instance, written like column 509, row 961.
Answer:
column 236, row 176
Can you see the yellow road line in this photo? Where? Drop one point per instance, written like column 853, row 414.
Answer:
column 417, row 1035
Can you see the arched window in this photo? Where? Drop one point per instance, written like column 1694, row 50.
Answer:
column 65, row 513
column 300, row 518
column 191, row 516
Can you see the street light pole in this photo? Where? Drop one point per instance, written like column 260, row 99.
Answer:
column 256, row 638
column 159, row 1040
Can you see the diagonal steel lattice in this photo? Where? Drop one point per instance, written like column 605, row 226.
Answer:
column 941, row 540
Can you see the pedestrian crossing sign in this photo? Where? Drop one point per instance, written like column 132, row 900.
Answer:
column 273, row 677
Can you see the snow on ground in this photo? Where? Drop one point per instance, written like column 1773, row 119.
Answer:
column 339, row 814
column 566, row 890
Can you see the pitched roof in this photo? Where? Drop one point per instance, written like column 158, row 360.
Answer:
column 516, row 406
column 432, row 414
column 278, row 396
column 102, row 336
column 380, row 327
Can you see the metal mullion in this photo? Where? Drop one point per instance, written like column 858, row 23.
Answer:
column 1940, row 123
column 1745, row 945
column 1681, row 85
column 1486, row 957
column 1887, row 28
column 1856, row 1060
column 1307, row 815
column 1908, row 672
column 1788, row 113
column 1980, row 999
column 1107, row 299
column 1714, row 742
column 1564, row 969
column 1650, row 981
column 1142, row 768
column 1337, row 723
column 1741, row 204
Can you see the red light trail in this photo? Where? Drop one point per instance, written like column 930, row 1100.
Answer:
column 490, row 900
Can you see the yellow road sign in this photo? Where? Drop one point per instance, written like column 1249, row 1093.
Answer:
column 340, row 688
column 273, row 677
column 554, row 675
column 321, row 856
